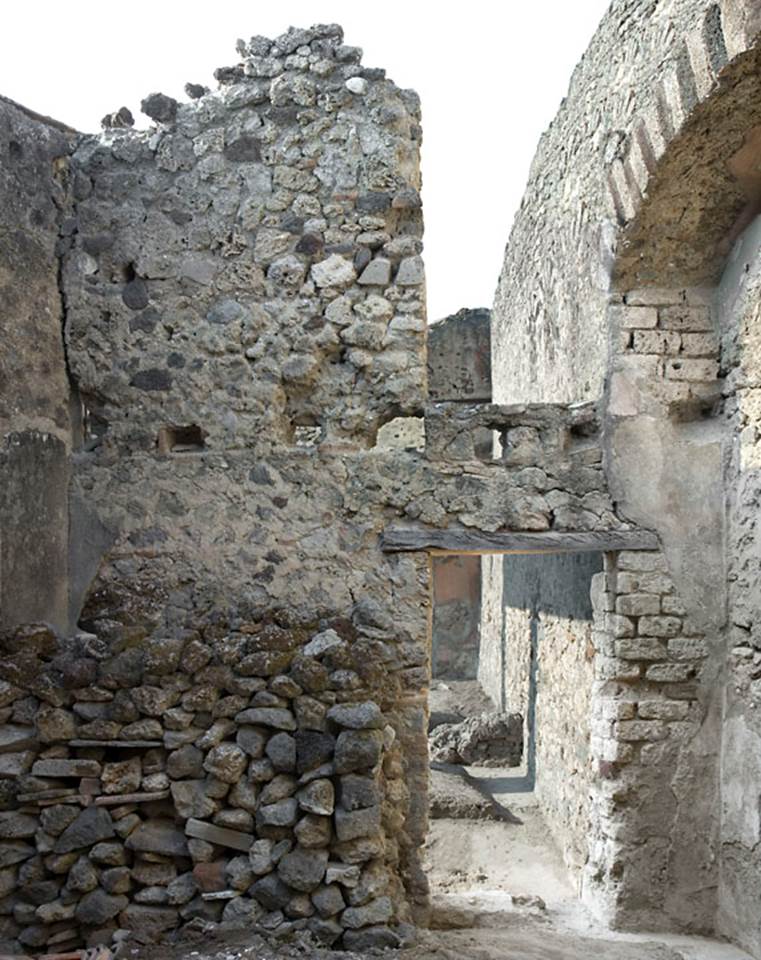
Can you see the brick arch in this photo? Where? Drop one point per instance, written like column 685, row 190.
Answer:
column 683, row 184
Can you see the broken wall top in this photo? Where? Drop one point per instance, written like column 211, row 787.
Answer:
column 251, row 265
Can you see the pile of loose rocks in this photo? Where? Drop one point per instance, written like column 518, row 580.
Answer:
column 487, row 740
column 245, row 782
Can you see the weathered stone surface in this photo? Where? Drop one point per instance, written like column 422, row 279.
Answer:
column 313, row 831
column 83, row 877
column 345, row 874
column 226, row 762
column 313, row 749
column 317, row 797
column 158, row 836
column 357, row 823
column 260, row 856
column 251, row 741
column 371, row 938
column 271, row 892
column 281, row 786
column 159, row 107
column 218, row 835
column 55, row 819
column 66, row 768
column 333, row 272
column 278, row 718
column 181, row 890
column 184, row 763
column 116, row 880
column 148, row 923
column 489, row 737
column 122, row 777
column 241, row 913
column 16, row 826
column 281, row 750
column 328, row 900
column 357, row 716
column 357, row 750
column 11, row 853
column 280, row 814
column 303, row 869
column 356, row 792
column 377, row 911
column 91, row 826
column 14, row 765
column 14, row 738
column 96, row 908
column 191, row 799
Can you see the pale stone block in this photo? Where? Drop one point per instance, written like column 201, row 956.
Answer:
column 640, row 648
column 638, row 604
column 631, row 730
column 692, row 370
column 663, row 709
column 659, row 626
column 634, row 317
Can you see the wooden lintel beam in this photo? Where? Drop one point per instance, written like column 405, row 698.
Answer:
column 404, row 539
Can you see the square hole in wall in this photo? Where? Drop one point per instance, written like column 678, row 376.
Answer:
column 189, row 439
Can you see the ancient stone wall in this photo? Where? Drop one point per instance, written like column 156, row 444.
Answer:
column 544, row 669
column 35, row 426
column 244, row 310
column 244, row 315
column 645, row 68
column 737, row 299
column 636, row 195
column 459, row 368
column 456, row 615
column 459, row 356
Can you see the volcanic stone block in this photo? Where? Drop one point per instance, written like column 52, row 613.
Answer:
column 91, row 826
column 14, row 738
column 122, row 777
column 191, row 800
column 376, row 911
column 226, row 762
column 281, row 750
column 357, row 823
column 98, row 907
column 66, row 768
column 271, row 892
column 313, row 749
column 277, row 717
column 358, row 750
column 356, row 792
column 148, row 923
column 317, row 797
column 303, row 869
column 328, row 900
column 83, row 877
column 158, row 836
column 251, row 740
column 313, row 831
column 357, row 716
column 280, row 814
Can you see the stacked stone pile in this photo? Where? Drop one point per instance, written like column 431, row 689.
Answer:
column 488, row 740
column 151, row 784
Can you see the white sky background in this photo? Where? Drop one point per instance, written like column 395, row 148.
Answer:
column 491, row 76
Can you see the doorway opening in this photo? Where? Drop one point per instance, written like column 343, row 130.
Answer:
column 512, row 662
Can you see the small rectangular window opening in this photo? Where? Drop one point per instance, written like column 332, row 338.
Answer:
column 188, row 439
